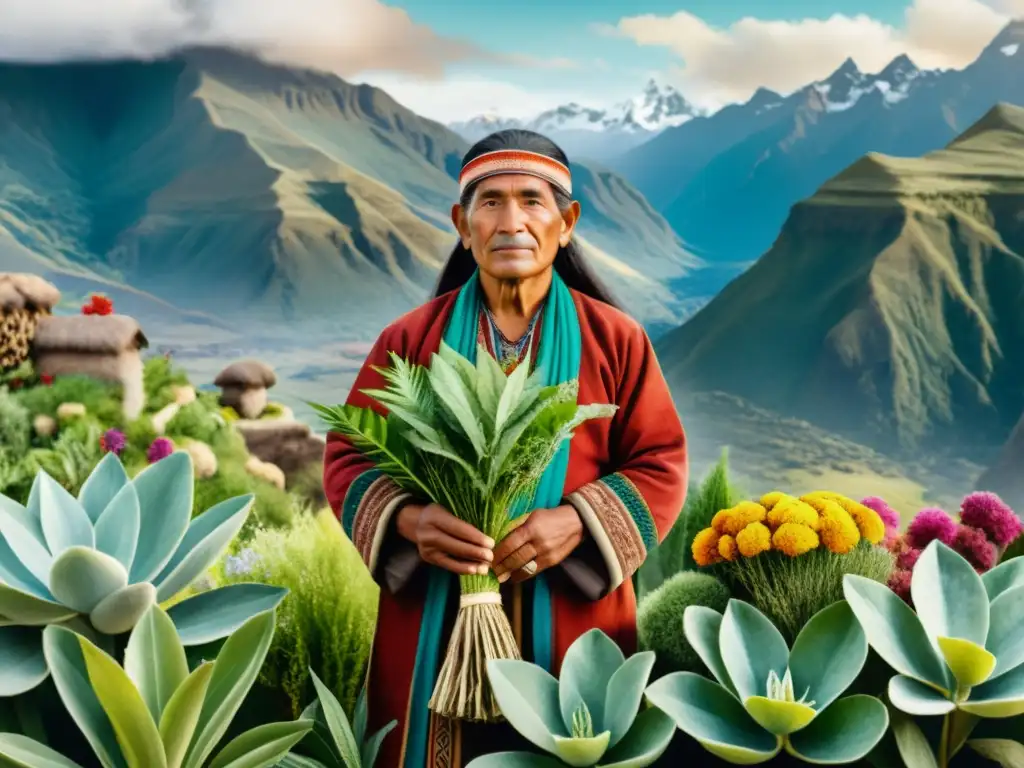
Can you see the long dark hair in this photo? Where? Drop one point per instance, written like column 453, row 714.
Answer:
column 570, row 263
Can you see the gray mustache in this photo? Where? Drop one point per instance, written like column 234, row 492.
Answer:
column 518, row 240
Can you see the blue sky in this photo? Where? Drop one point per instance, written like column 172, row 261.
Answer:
column 719, row 52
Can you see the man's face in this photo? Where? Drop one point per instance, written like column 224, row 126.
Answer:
column 513, row 226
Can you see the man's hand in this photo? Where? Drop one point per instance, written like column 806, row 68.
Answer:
column 546, row 538
column 444, row 540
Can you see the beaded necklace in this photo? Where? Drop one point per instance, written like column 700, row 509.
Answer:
column 509, row 353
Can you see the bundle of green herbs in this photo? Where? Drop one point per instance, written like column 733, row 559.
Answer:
column 477, row 442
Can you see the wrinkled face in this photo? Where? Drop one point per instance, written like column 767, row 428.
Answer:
column 513, row 226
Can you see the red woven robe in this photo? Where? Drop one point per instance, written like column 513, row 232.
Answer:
column 627, row 478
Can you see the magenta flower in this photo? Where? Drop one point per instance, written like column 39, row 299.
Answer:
column 890, row 517
column 907, row 558
column 991, row 514
column 930, row 524
column 160, row 448
column 113, row 440
column 975, row 547
column 899, row 582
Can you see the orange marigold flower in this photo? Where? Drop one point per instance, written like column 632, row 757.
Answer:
column 794, row 539
column 838, row 531
column 754, row 539
column 791, row 510
column 705, row 548
column 733, row 520
column 769, row 500
column 727, row 548
column 869, row 523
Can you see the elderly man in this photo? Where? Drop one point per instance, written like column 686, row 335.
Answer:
column 516, row 282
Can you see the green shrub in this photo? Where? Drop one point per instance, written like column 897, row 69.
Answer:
column 159, row 377
column 790, row 590
column 15, row 424
column 660, row 618
column 327, row 620
column 674, row 554
column 195, row 421
column 102, row 399
column 73, row 455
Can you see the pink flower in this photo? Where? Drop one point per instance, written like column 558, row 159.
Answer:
column 890, row 517
column 930, row 524
column 975, row 547
column 991, row 514
column 160, row 448
column 907, row 558
column 899, row 582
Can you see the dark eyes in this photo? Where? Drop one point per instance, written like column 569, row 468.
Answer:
column 491, row 203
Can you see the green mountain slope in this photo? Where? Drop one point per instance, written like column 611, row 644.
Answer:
column 891, row 306
column 223, row 184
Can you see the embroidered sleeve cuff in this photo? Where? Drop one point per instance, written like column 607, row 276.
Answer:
column 618, row 520
column 371, row 501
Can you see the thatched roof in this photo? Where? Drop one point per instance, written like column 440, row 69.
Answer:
column 89, row 334
column 247, row 373
column 21, row 290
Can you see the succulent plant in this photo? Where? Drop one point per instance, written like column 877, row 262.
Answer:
column 588, row 717
column 153, row 712
column 961, row 655
column 101, row 560
column 768, row 697
column 334, row 742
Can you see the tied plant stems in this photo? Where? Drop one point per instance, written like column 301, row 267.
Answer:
column 476, row 442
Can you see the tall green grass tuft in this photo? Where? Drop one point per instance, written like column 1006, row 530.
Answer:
column 159, row 377
column 327, row 620
column 674, row 554
column 15, row 424
column 102, row 399
column 790, row 590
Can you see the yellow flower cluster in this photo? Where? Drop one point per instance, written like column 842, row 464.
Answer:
column 793, row 526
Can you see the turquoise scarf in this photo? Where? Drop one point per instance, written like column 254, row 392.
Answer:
column 558, row 357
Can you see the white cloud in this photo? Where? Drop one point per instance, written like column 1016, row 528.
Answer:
column 462, row 98
column 722, row 65
column 342, row 36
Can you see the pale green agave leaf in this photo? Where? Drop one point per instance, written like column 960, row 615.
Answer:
column 581, row 752
column 843, row 733
column 714, row 717
column 1007, row 753
column 999, row 698
column 828, row 654
column 235, row 670
column 894, row 631
column 911, row 744
column 949, row 595
column 181, row 714
column 27, row 518
column 29, row 610
column 371, row 746
column 119, row 611
column 154, row 660
column 22, row 752
column 751, row 648
column 1004, row 576
column 21, row 659
column 1006, row 630
column 165, row 501
column 779, row 717
column 528, row 698
column 588, row 667
column 102, row 486
column 65, row 524
column 67, row 667
column 337, row 722
column 702, row 626
column 625, row 693
column 261, row 746
column 18, row 530
column 216, row 613
column 645, row 742
column 915, row 698
column 14, row 574
column 207, row 537
column 82, row 576
column 515, row 760
column 292, row 760
column 117, row 529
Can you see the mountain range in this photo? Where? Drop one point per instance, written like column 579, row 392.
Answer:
column 594, row 132
column 221, row 184
column 727, row 181
column 891, row 306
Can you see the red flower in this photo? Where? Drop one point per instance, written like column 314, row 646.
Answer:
column 98, row 305
column 46, row 378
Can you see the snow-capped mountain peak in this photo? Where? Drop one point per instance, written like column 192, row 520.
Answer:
column 847, row 85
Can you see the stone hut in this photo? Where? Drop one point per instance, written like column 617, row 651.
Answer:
column 105, row 347
column 244, row 386
column 24, row 299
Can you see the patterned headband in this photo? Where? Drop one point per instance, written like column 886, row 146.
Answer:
column 515, row 161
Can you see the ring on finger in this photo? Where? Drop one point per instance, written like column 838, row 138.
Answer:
column 530, row 567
